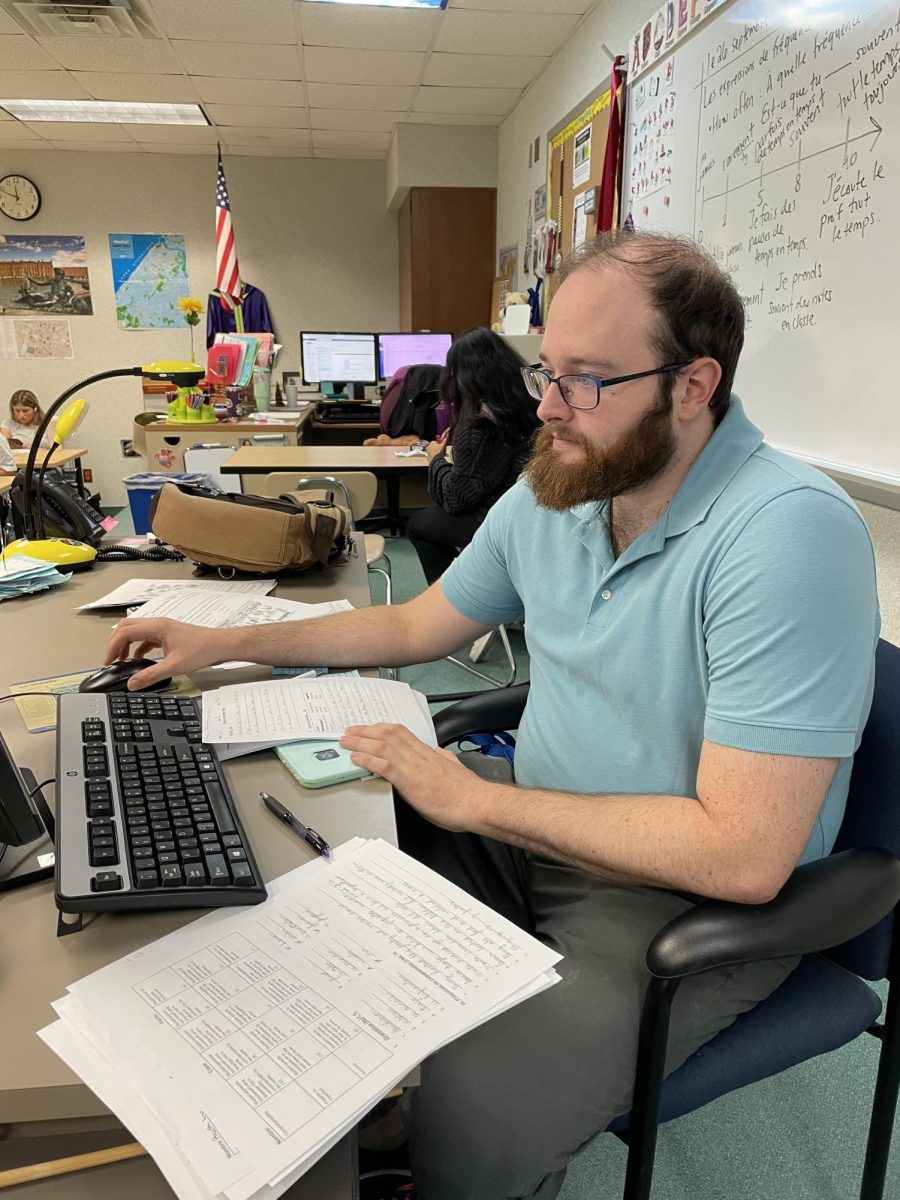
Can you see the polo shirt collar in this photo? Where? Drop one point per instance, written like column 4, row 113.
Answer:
column 734, row 440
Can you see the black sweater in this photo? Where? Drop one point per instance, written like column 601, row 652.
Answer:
column 486, row 462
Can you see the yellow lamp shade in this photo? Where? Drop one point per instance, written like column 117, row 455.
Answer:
column 69, row 420
column 181, row 373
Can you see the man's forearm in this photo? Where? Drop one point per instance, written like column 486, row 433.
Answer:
column 370, row 637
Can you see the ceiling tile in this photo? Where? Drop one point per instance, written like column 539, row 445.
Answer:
column 243, row 61
column 40, row 85
column 250, row 91
column 8, row 24
column 78, row 131
column 17, row 131
column 480, row 70
column 428, row 118
column 227, row 20
column 24, row 53
column 353, row 118
column 341, row 95
column 99, row 147
column 359, row 28
column 578, row 7
column 238, row 136
column 271, row 151
column 345, row 139
column 257, row 115
column 326, row 152
column 494, row 33
column 363, row 66
column 170, row 133
column 24, row 143
column 172, row 148
column 497, row 101
column 116, row 85
column 112, row 54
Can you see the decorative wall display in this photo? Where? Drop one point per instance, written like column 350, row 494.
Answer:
column 43, row 274
column 149, row 277
column 540, row 202
column 35, row 338
column 658, row 35
column 508, row 265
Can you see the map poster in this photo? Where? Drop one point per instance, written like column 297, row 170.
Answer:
column 42, row 274
column 43, row 338
column 149, row 277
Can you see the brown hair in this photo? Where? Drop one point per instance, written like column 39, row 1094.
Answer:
column 25, row 399
column 700, row 311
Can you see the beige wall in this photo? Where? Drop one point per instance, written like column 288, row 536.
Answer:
column 440, row 156
column 315, row 235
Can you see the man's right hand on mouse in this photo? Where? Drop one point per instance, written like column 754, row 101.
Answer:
column 185, row 648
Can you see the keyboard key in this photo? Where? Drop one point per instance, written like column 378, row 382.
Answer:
column 219, row 805
column 166, row 859
column 194, row 873
column 146, row 879
column 106, row 881
column 236, row 854
column 104, row 857
column 171, row 875
column 242, row 874
column 231, row 839
column 217, row 868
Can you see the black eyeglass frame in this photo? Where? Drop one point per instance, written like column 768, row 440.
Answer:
column 528, row 372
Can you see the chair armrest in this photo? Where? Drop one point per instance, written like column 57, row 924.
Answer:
column 488, row 712
column 823, row 904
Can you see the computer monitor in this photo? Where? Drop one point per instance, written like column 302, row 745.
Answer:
column 23, row 838
column 334, row 360
column 396, row 350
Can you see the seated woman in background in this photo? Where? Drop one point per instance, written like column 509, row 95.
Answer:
column 25, row 414
column 483, row 452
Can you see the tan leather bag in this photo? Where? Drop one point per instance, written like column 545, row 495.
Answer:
column 253, row 534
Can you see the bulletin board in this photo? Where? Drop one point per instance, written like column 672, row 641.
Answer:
column 574, row 169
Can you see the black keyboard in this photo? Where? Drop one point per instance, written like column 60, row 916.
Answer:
column 145, row 818
column 339, row 411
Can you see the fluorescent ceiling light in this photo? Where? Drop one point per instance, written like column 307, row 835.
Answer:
column 105, row 111
column 389, row 3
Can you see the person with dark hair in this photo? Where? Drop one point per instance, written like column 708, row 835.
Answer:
column 483, row 452
column 701, row 616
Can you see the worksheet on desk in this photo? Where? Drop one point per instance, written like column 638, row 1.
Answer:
column 215, row 610
column 256, row 1036
column 297, row 709
column 140, row 591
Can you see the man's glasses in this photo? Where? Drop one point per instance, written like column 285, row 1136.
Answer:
column 582, row 391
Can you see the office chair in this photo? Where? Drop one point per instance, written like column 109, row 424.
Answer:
column 838, row 913
column 356, row 490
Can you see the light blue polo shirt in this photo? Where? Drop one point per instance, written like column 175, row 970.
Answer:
column 747, row 615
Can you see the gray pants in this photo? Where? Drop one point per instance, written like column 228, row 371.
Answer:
column 502, row 1111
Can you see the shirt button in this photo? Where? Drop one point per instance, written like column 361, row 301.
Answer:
column 606, row 594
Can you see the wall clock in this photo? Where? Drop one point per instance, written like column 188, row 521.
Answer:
column 20, row 199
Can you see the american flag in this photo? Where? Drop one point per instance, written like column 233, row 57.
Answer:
column 228, row 275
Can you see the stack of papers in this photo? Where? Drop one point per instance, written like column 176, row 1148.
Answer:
column 245, row 717
column 240, row 1048
column 21, row 575
column 218, row 609
column 140, row 591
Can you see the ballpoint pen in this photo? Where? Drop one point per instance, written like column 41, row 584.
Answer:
column 309, row 836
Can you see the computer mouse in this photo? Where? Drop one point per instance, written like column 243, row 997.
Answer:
column 114, row 678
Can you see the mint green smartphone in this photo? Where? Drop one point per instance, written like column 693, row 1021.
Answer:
column 319, row 764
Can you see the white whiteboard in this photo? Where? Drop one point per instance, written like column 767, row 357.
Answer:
column 775, row 144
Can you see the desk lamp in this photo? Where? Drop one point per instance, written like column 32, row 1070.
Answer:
column 65, row 551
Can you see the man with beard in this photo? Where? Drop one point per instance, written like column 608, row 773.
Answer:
column 701, row 616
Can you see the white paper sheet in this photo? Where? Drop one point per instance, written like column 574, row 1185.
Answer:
column 255, row 1038
column 293, row 709
column 139, row 591
column 218, row 610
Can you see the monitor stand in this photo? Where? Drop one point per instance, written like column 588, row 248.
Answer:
column 334, row 389
column 21, row 865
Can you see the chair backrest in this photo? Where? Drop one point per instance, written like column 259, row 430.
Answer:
column 208, row 460
column 356, row 489
column 872, row 816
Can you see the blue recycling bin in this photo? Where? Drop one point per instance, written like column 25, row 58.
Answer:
column 142, row 487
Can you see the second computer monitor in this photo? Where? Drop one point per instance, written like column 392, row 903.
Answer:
column 396, row 350
column 338, row 358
